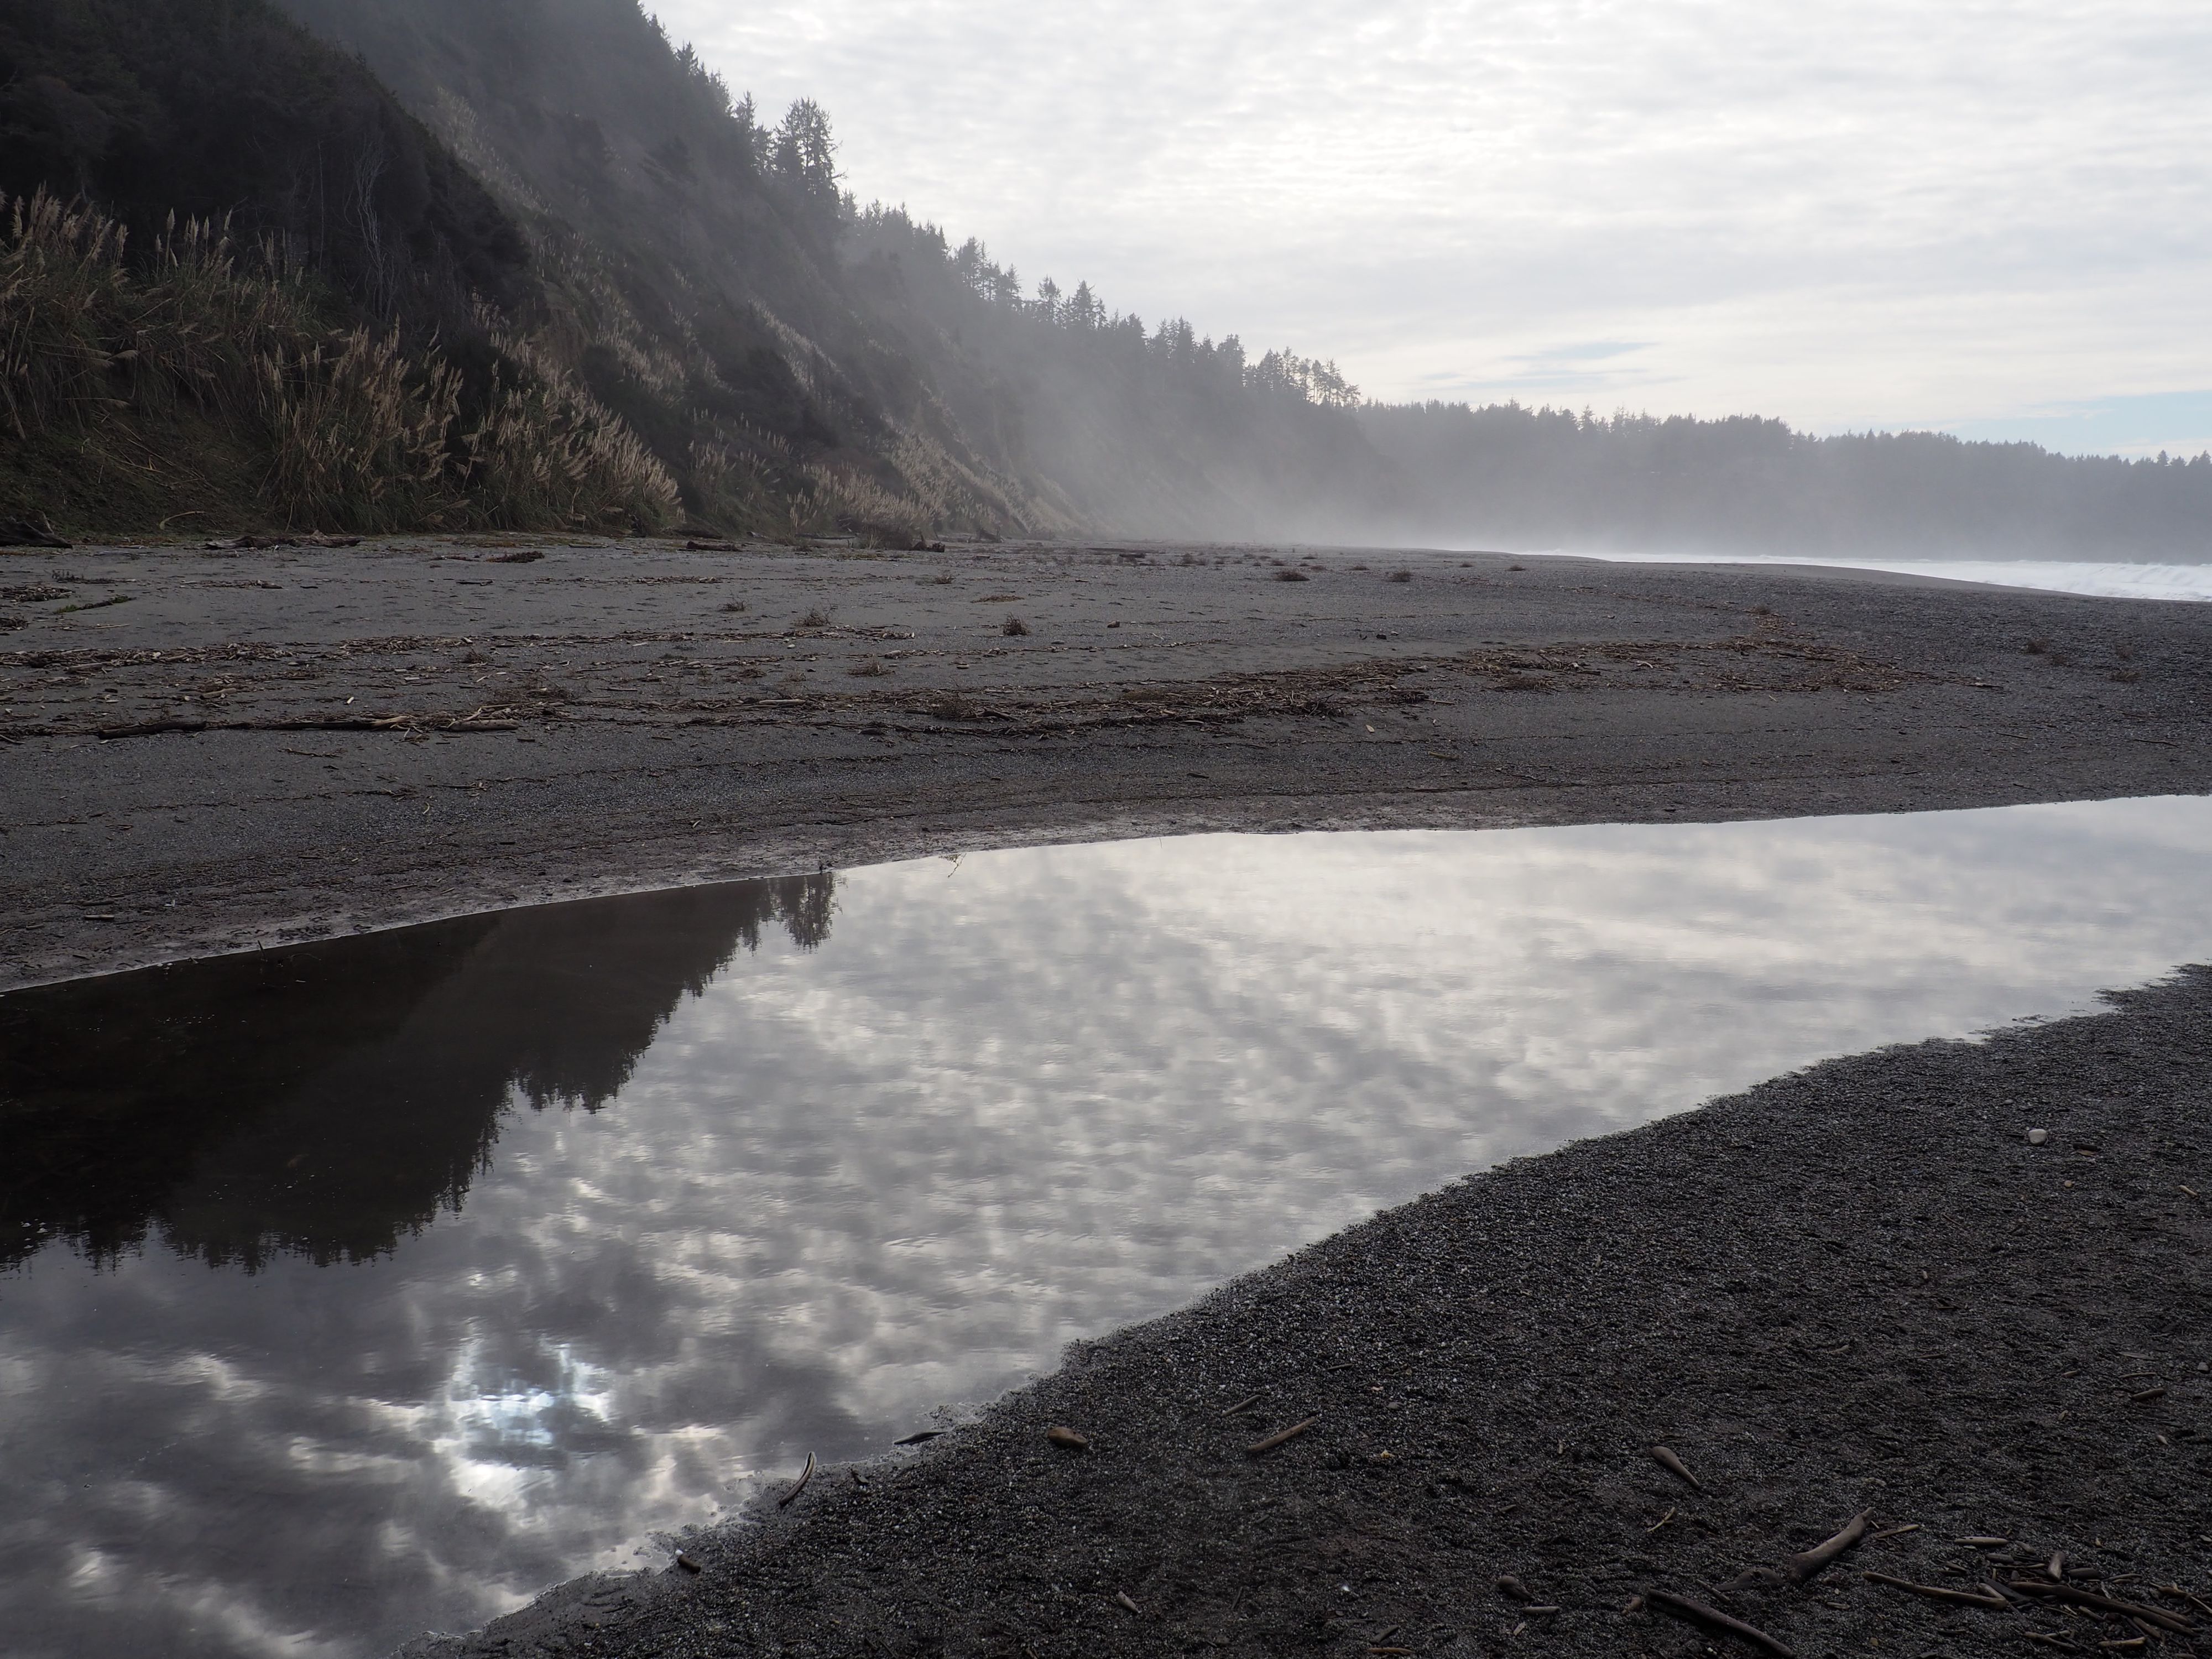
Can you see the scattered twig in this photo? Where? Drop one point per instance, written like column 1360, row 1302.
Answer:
column 1262, row 1447
column 1661, row 1522
column 1122, row 1596
column 1697, row 1613
column 807, row 1474
column 1665, row 1458
column 1937, row 1592
column 1892, row 1532
column 2081, row 1598
column 2148, row 1395
column 1243, row 1406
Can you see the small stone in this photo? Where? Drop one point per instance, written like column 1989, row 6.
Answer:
column 2037, row 1137
column 1068, row 1439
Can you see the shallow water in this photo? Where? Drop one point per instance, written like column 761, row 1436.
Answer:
column 365, row 1286
column 2103, row 579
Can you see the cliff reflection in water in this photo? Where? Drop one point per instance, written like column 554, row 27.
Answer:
column 369, row 1287
column 329, row 1099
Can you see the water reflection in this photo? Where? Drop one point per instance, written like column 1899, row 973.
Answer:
column 329, row 1099
column 364, row 1286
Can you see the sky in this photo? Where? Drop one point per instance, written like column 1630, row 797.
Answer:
column 1994, row 219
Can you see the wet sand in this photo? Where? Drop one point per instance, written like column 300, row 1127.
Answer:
column 1856, row 1291
column 204, row 751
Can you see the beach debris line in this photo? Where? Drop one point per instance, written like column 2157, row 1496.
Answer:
column 805, row 1475
column 1697, row 1613
column 1665, row 1458
column 1262, row 1447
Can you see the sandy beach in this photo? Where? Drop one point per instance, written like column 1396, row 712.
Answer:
column 202, row 751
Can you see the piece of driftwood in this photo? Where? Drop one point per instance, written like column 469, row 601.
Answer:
column 805, row 1475
column 1122, row 1596
column 1665, row 1458
column 1807, row 1566
column 1068, row 1439
column 1262, row 1447
column 2081, row 1598
column 1242, row 1405
column 920, row 1436
column 1937, row 1592
column 1697, row 1613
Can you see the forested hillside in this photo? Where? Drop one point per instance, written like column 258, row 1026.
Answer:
column 766, row 334
column 376, row 264
column 1513, row 476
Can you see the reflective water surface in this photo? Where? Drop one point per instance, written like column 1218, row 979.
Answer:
column 359, row 1287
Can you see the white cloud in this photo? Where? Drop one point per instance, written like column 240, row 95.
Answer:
column 1864, row 213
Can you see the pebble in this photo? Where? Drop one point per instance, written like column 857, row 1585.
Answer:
column 2037, row 1137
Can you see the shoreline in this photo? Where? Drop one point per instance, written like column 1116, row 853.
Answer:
column 1857, row 1289
column 325, row 742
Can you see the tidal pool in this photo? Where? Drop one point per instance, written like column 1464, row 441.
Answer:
column 362, row 1287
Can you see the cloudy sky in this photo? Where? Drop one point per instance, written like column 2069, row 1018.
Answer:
column 1993, row 218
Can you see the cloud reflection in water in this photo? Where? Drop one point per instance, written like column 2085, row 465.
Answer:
column 887, row 1160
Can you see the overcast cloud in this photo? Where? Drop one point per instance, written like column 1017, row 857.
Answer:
column 1988, row 216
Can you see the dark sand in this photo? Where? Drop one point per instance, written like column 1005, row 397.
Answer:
column 1855, row 1289
column 627, row 715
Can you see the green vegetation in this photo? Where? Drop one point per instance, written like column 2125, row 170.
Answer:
column 126, row 383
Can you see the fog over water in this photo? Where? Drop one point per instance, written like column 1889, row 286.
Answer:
column 380, row 1283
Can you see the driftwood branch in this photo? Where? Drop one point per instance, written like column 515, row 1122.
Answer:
column 1262, row 1447
column 1803, row 1568
column 1937, row 1592
column 786, row 1500
column 1697, row 1613
column 1665, row 1458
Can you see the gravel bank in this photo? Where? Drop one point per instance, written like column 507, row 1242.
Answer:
column 207, row 750
column 1857, row 1289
